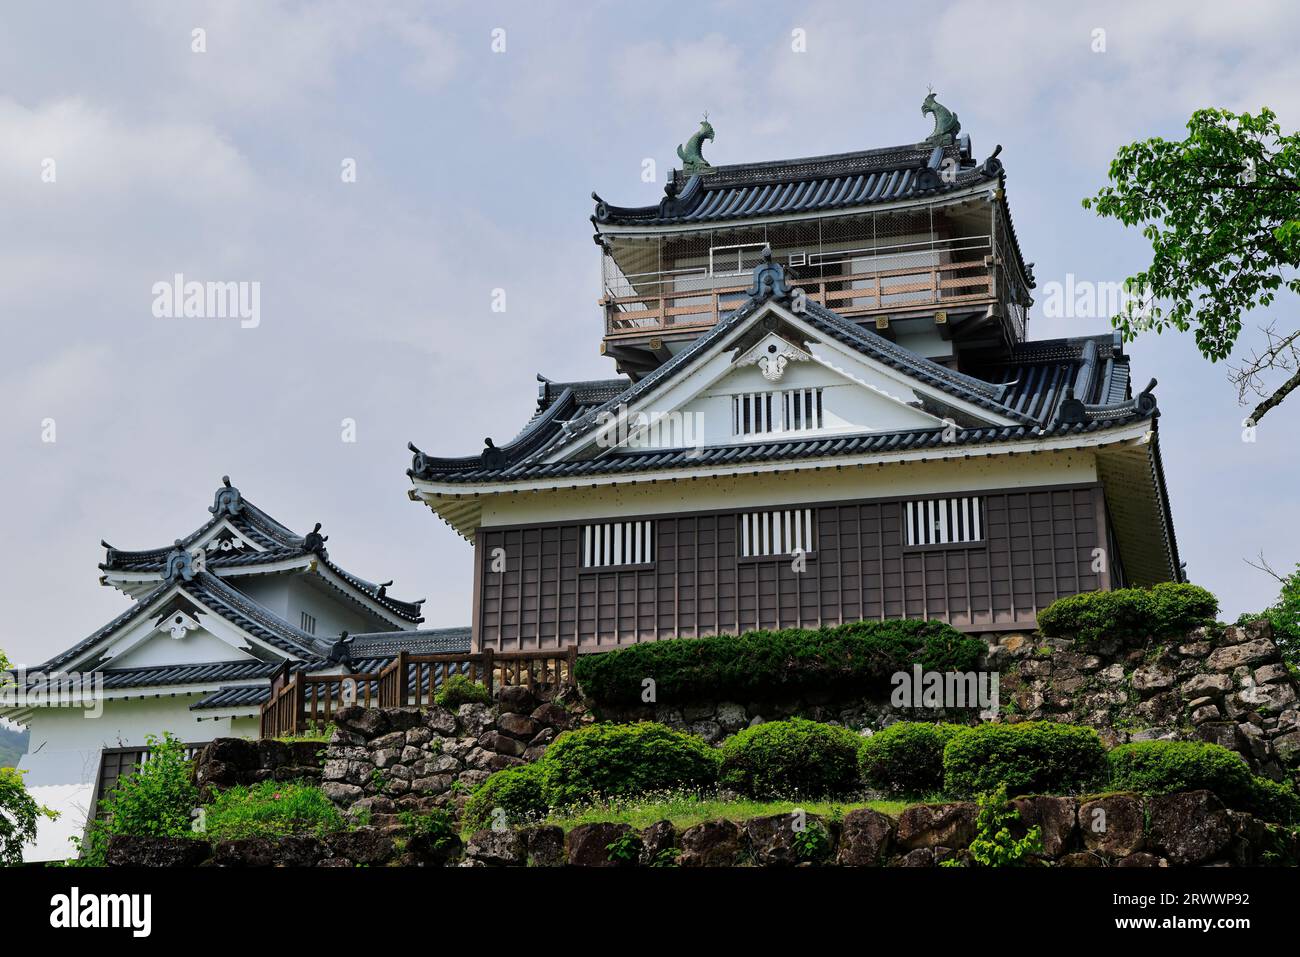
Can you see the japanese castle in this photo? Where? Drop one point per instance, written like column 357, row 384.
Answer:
column 211, row 619
column 825, row 408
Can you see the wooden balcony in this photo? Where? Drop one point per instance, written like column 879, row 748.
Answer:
column 629, row 318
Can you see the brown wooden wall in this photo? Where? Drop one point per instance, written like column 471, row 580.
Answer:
column 1038, row 546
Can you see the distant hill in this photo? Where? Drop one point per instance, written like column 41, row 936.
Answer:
column 13, row 745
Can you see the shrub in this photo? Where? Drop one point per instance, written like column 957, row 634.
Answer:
column 517, row 791
column 608, row 760
column 1130, row 614
column 270, row 809
column 1037, row 757
column 1275, row 801
column 436, row 825
column 761, row 664
column 157, row 800
column 812, row 843
column 785, row 758
column 993, row 845
column 458, row 690
column 1284, row 616
column 1159, row 767
column 906, row 758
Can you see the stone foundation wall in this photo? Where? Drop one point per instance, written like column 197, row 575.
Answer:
column 1226, row 685
column 385, row 761
column 1186, row 829
column 227, row 762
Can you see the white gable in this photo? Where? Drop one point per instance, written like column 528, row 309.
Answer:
column 182, row 638
column 765, row 391
column 194, row 647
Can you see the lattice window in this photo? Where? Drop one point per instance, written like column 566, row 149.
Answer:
column 945, row 521
column 608, row 544
column 778, row 532
column 309, row 623
column 788, row 410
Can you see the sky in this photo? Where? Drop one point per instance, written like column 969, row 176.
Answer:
column 477, row 132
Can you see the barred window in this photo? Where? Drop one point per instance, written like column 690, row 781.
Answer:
column 788, row 410
column 778, row 532
column 945, row 521
column 607, row 544
column 309, row 623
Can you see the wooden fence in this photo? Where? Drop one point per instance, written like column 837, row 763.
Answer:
column 299, row 701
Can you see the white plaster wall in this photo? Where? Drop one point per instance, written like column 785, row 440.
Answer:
column 333, row 614
column 773, row 489
column 63, row 757
column 269, row 591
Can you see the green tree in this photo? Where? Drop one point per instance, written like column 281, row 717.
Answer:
column 19, row 813
column 1221, row 210
column 1284, row 615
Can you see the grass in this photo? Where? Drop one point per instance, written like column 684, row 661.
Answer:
column 686, row 810
column 317, row 733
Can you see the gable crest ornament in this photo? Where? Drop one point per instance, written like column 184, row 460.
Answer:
column 772, row 355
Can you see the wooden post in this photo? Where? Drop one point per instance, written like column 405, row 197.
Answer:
column 402, row 664
column 299, row 701
column 487, row 670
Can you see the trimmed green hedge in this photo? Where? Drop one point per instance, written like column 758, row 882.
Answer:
column 1036, row 757
column 517, row 791
column 1160, row 767
column 608, row 760
column 794, row 757
column 906, row 758
column 761, row 664
column 1161, row 611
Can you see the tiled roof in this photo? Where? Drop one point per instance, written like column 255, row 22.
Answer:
column 224, row 600
column 1034, row 388
column 279, row 544
column 187, row 674
column 812, row 185
column 236, row 697
column 431, row 641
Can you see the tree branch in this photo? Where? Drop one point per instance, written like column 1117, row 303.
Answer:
column 1287, row 387
column 1265, row 567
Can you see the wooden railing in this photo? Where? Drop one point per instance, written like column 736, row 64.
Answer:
column 414, row 679
column 882, row 291
column 299, row 701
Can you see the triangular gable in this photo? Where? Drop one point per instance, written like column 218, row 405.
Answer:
column 182, row 622
column 690, row 404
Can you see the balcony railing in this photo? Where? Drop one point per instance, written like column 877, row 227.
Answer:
column 855, row 294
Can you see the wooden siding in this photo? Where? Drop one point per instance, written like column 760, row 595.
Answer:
column 1038, row 546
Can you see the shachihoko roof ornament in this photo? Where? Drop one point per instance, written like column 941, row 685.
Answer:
column 314, row 541
column 769, row 279
column 228, row 501
column 946, row 126
column 179, row 565
column 691, row 154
